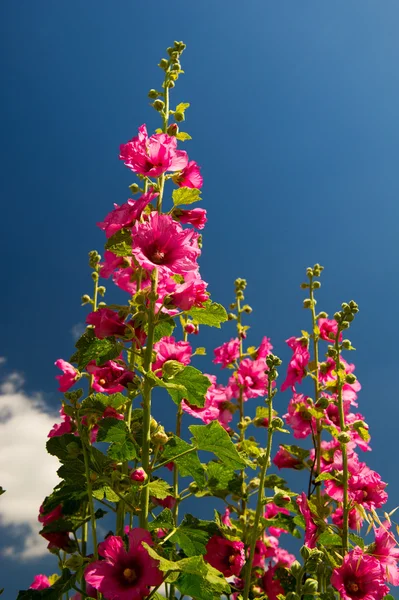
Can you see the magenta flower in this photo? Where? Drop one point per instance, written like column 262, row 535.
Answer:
column 66, row 426
column 226, row 556
column 69, row 377
column 226, row 518
column 272, row 510
column 360, row 577
column 264, row 349
column 47, row 518
column 163, row 244
column 215, row 407
column 227, row 353
column 310, row 525
column 195, row 217
column 251, row 379
column 124, row 574
column 298, row 363
column 110, row 264
column 285, row 460
column 168, row 349
column 271, row 584
column 190, row 293
column 328, row 330
column 106, row 322
column 138, row 475
column 110, row 378
column 153, row 155
column 190, row 176
column 355, row 520
column 168, row 502
column 298, row 416
column 386, row 551
column 125, row 215
column 40, row 582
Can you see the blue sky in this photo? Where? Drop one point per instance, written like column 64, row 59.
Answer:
column 295, row 121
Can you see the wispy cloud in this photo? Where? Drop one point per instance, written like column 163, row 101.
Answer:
column 27, row 471
column 77, row 330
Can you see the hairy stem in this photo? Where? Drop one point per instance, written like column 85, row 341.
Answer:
column 345, row 504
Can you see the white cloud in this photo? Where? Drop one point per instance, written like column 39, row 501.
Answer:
column 2, row 360
column 78, row 330
column 27, row 471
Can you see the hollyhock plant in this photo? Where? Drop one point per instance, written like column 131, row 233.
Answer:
column 226, row 556
column 227, row 353
column 251, row 379
column 40, row 582
column 126, row 214
column 69, row 377
column 153, row 155
column 111, row 377
column 190, row 176
column 168, row 349
column 106, row 322
column 360, row 577
column 163, row 244
column 195, row 217
column 124, row 574
column 310, row 525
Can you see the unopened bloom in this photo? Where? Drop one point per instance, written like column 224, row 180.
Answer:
column 226, row 518
column 162, row 243
column 227, row 353
column 125, row 574
column 138, row 475
column 195, row 217
column 111, row 377
column 360, row 577
column 106, row 322
column 40, row 582
column 69, row 377
column 168, row 349
column 153, row 155
column 226, row 556
column 125, row 215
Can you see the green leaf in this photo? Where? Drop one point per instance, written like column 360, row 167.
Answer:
column 214, row 438
column 388, row 597
column 91, row 348
column 64, row 447
column 163, row 521
column 120, row 243
column 330, row 539
column 107, row 492
column 182, row 136
column 223, row 481
column 55, row 592
column 160, row 489
column 195, row 386
column 212, row 314
column 123, row 451
column 164, row 328
column 357, row 540
column 271, row 481
column 192, row 535
column 185, row 195
column 73, row 471
column 189, row 464
column 324, row 477
column 97, row 403
column 182, row 107
column 115, row 431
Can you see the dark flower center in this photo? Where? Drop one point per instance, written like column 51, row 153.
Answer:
column 352, row 586
column 102, row 381
column 157, row 257
column 232, row 558
column 130, row 575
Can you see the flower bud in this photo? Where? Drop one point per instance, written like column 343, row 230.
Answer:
column 173, row 129
column 345, row 325
column 170, row 83
column 231, row 317
column 164, row 64
column 307, row 303
column 316, row 285
column 153, row 94
column 170, row 368
column 158, row 105
column 94, row 276
column 101, row 290
column 277, row 423
column 322, row 315
column 160, row 437
column 350, row 378
column 344, row 437
column 310, row 586
column 305, row 553
column 86, row 299
column 134, row 188
column 295, row 568
column 189, row 328
column 304, row 286
column 281, row 499
column 247, row 309
column 193, row 487
column 179, row 116
column 292, row 596
column 138, row 475
column 322, row 403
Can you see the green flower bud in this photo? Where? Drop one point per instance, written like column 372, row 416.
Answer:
column 193, row 487
column 179, row 116
column 292, row 596
column 173, row 129
column 170, row 368
column 305, row 553
column 316, row 285
column 344, row 437
column 86, row 300
column 346, row 344
column 134, row 188
column 310, row 586
column 153, row 94
column 101, row 290
column 158, row 105
column 247, row 309
column 323, row 403
column 160, row 437
column 345, row 324
column 277, row 423
column 322, row 315
column 296, row 568
column 164, row 63
column 350, row 378
column 307, row 303
column 94, row 276
column 170, row 83
column 231, row 317
column 304, row 286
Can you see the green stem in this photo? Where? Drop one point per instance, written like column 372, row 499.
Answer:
column 89, row 488
column 145, row 454
column 261, row 493
column 193, row 449
column 315, row 339
column 345, row 507
column 240, row 399
column 176, row 468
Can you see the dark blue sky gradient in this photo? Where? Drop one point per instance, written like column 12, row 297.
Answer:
column 295, row 122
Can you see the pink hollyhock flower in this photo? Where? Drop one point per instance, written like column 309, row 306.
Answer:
column 226, row 518
column 110, row 378
column 272, row 510
column 125, row 215
column 284, row 460
column 40, row 582
column 328, row 329
column 355, row 520
column 264, row 349
column 163, row 244
column 227, row 353
column 110, row 264
column 310, row 525
column 271, row 584
column 366, row 488
column 191, row 328
column 215, row 408
column 138, row 475
column 167, row 502
column 168, row 349
column 60, row 540
column 298, row 363
column 226, row 556
column 190, row 293
column 106, row 322
column 47, row 518
column 283, row 558
column 69, row 377
column 360, row 577
column 386, row 551
column 298, row 416
column 190, row 176
column 263, row 551
column 195, row 217
column 124, row 574
column 153, row 155
column 66, row 426
column 251, row 379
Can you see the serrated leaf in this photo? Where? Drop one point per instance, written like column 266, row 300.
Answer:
column 73, row 471
column 160, row 489
column 213, row 438
column 117, row 433
column 163, row 521
column 91, row 348
column 163, row 328
column 330, row 539
column 120, row 243
column 182, row 136
column 357, row 540
column 223, row 481
column 271, row 481
column 122, row 452
column 185, row 195
column 193, row 534
column 195, row 386
column 97, row 403
column 213, row 314
column 105, row 492
column 324, row 477
column 189, row 464
column 61, row 446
